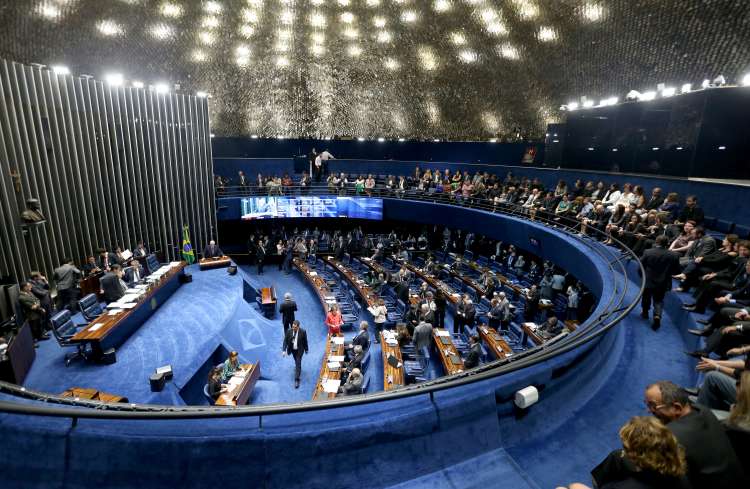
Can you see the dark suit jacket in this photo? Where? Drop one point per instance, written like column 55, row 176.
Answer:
column 110, row 284
column 130, row 275
column 100, row 260
column 362, row 339
column 260, row 253
column 660, row 264
column 701, row 247
column 287, row 309
column 212, row 251
column 289, row 341
column 468, row 310
column 475, row 353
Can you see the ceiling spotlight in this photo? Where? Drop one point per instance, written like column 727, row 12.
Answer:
column 161, row 88
column 497, row 28
column 467, row 56
column 650, row 95
column 199, row 56
column 436, row 140
column 347, row 17
column 442, row 5
column 360, row 139
column 201, row 94
column 573, row 106
column 391, row 64
column 379, row 21
column 317, row 49
column 668, row 92
column 373, row 3
column 212, row 7
column 250, row 16
column 206, row 38
column 409, row 16
column 381, row 140
column 247, row 30
column 343, row 3
column 354, row 50
column 137, row 84
column 458, row 39
column 253, row 136
column 493, row 140
column 109, row 28
column 169, row 9
column 508, row 51
column 719, row 81
column 318, row 37
column 48, row 11
column 384, row 36
column 547, row 34
column 114, row 79
column 161, row 31
column 722, row 148
column 242, row 51
column 679, row 148
column 706, row 83
column 317, row 19
column 401, row 140
column 746, row 80
column 593, row 12
column 351, row 33
column 686, row 87
column 60, row 70
column 587, row 104
column 633, row 95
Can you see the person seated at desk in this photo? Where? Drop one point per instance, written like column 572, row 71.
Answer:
column 112, row 285
column 551, row 327
column 134, row 273
column 140, row 250
column 212, row 250
column 353, row 384
column 230, row 366
column 354, row 364
column 91, row 267
column 334, row 320
column 215, row 386
column 475, row 352
column 105, row 260
column 402, row 335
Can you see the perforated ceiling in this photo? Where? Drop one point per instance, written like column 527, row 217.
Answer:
column 455, row 69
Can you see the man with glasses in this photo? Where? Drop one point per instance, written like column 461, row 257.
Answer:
column 711, row 459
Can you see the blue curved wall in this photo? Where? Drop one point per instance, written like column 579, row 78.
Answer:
column 375, row 445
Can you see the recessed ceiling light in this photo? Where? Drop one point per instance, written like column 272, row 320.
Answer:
column 114, row 79
column 162, row 31
column 354, row 50
column 383, row 36
column 161, row 88
column 212, row 7
column 547, row 34
column 442, row 5
column 347, row 17
column 110, row 28
column 169, row 9
column 408, row 16
column 60, row 70
column 467, row 56
column 379, row 21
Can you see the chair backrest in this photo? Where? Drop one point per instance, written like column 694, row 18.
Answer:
column 208, row 396
column 365, row 384
column 152, row 263
column 62, row 325
column 90, row 308
column 366, row 361
column 13, row 293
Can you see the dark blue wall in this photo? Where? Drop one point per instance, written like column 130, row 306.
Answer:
column 470, row 152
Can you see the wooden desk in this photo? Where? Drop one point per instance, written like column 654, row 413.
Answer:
column 216, row 262
column 92, row 395
column 20, row 356
column 497, row 275
column 331, row 350
column 364, row 290
column 495, row 342
column 90, row 285
column 268, row 301
column 446, row 351
column 317, row 282
column 114, row 330
column 451, row 295
column 529, row 332
column 395, row 374
column 248, row 375
column 571, row 324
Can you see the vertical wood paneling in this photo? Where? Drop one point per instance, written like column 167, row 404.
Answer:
column 109, row 165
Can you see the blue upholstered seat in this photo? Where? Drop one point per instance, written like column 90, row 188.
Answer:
column 63, row 328
column 90, row 308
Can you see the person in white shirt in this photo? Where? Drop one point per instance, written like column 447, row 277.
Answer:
column 324, row 157
column 612, row 196
column 380, row 316
column 572, row 310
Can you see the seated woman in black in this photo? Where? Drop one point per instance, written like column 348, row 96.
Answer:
column 215, row 387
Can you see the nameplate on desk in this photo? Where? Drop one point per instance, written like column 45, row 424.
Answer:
column 338, row 340
column 442, row 332
column 331, row 385
column 336, row 358
column 334, row 366
column 114, row 312
column 95, row 327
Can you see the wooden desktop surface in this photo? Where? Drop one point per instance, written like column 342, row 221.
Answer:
column 317, row 282
column 451, row 295
column 529, row 331
column 396, row 374
column 446, row 351
column 216, row 262
column 364, row 290
column 331, row 350
column 268, row 296
column 89, row 394
column 239, row 395
column 110, row 323
column 495, row 342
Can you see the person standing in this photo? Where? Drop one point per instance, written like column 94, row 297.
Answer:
column 441, row 304
column 380, row 316
column 32, row 311
column 40, row 289
column 260, row 256
column 112, row 285
column 295, row 344
column 287, row 309
column 66, row 277
column 659, row 264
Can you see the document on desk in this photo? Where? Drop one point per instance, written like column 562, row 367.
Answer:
column 442, row 332
column 95, row 327
column 391, row 342
column 331, row 385
column 336, row 358
column 128, row 298
column 174, row 264
column 313, row 274
column 129, row 305
column 114, row 312
column 333, row 365
column 338, row 340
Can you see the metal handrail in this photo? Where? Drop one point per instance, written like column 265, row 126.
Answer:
column 613, row 313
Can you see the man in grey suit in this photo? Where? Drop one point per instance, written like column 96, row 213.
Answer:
column 112, row 284
column 66, row 277
column 422, row 335
column 702, row 246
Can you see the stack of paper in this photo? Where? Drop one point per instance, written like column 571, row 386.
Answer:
column 95, row 327
column 114, row 312
column 443, row 332
column 313, row 274
column 336, row 358
column 128, row 298
column 174, row 264
column 338, row 340
column 331, row 385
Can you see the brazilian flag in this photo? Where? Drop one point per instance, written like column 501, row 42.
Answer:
column 187, row 249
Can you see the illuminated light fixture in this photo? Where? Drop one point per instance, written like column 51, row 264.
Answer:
column 343, row 3
column 427, row 58
column 647, row 96
column 633, row 95
column 242, row 51
column 655, row 148
column 351, row 33
column 161, row 88
column 347, row 17
column 508, row 51
column 591, row 149
column 719, row 81
column 435, row 140
column 161, row 31
column 384, row 36
column 280, row 136
column 360, row 139
column 199, row 56
column 722, row 148
column 391, row 64
column 746, row 80
column 317, row 49
column 282, row 61
column 546, row 34
column 686, row 88
column 317, row 19
column 442, row 5
column 493, row 140
column 255, row 3
column 213, row 135
column 109, row 28
column 381, row 140
column 60, row 70
column 668, row 92
column 573, row 106
column 137, row 84
column 401, row 140
column 706, row 83
column 247, row 30
column 467, row 56
column 242, row 61
column 555, row 140
column 587, row 104
column 48, row 11
column 250, row 16
column 608, row 101
column 206, row 38
column 408, row 16
column 458, row 39
column 379, row 21
column 318, row 37
column 354, row 50
column 527, row 10
column 210, row 22
column 114, row 79
column 212, row 7
column 488, row 15
column 615, row 150
column 287, row 17
column 201, row 94
column 253, row 136
column 169, row 9
column 679, row 148
column 373, row 3
column 593, row 12
column 497, row 28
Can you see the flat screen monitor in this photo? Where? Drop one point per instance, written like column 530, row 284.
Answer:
column 302, row 206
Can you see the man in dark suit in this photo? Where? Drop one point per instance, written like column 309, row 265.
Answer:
column 465, row 313
column 66, row 277
column 90, row 267
column 32, row 311
column 242, row 180
column 362, row 339
column 702, row 246
column 711, row 460
column 212, row 250
column 140, row 250
column 295, row 344
column 659, row 265
column 134, row 273
column 475, row 352
column 112, row 284
column 732, row 277
column 287, row 309
column 105, row 260
column 260, row 255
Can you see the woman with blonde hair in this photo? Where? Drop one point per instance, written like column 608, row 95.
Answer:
column 651, row 458
column 739, row 416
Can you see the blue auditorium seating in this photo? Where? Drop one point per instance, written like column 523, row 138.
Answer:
column 90, row 307
column 152, row 263
column 63, row 329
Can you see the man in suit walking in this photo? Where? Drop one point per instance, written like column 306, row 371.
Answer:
column 66, row 277
column 112, row 284
column 295, row 344
column 287, row 309
column 260, row 255
column 659, row 265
